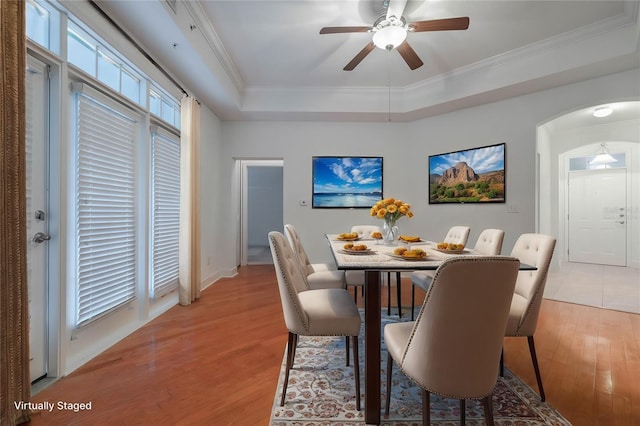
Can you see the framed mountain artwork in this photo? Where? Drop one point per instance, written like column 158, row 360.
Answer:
column 474, row 175
column 346, row 182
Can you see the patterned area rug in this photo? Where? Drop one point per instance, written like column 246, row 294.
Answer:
column 321, row 391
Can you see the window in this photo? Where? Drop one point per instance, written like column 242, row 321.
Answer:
column 584, row 163
column 164, row 107
column 165, row 195
column 43, row 24
column 105, row 207
column 91, row 56
column 81, row 51
column 123, row 222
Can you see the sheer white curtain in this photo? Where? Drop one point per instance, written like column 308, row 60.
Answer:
column 189, row 201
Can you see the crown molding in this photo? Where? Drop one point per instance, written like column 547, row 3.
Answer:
column 204, row 25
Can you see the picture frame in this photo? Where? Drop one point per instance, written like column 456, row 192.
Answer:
column 351, row 182
column 470, row 176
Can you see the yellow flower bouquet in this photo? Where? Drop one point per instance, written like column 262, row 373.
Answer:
column 391, row 210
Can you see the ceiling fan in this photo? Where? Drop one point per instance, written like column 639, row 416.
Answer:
column 390, row 32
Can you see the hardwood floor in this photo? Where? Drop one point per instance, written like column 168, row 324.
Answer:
column 217, row 362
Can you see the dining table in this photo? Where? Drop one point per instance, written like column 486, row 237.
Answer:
column 377, row 258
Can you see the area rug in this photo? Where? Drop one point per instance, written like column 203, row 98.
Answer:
column 321, row 391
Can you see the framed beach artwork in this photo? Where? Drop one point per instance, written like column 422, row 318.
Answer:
column 346, row 182
column 474, row 175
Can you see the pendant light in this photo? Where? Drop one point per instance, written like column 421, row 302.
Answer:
column 603, row 157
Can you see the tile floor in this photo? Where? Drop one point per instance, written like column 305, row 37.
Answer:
column 609, row 287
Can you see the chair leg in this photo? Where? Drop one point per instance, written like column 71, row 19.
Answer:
column 356, row 370
column 502, row 363
column 389, row 293
column 426, row 408
column 487, row 403
column 534, row 359
column 389, row 372
column 413, row 300
column 399, row 293
column 463, row 413
column 346, row 343
column 295, row 346
column 355, row 295
column 289, row 363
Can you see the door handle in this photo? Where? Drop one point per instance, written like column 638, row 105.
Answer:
column 41, row 237
column 621, row 222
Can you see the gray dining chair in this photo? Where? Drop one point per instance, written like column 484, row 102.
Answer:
column 453, row 347
column 312, row 312
column 422, row 279
column 319, row 275
column 536, row 250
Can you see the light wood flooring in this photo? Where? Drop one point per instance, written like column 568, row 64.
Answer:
column 217, row 362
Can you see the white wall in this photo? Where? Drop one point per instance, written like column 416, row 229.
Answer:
column 405, row 148
column 212, row 223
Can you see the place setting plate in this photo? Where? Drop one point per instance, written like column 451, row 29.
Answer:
column 357, row 252
column 410, row 259
column 447, row 251
column 413, row 241
column 339, row 238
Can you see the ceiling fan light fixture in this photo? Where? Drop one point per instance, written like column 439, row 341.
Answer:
column 390, row 37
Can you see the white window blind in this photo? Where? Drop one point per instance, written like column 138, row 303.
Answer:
column 105, row 208
column 165, row 194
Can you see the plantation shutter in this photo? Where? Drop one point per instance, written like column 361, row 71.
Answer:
column 165, row 181
column 105, row 208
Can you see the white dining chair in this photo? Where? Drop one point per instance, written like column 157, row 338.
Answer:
column 319, row 275
column 422, row 279
column 536, row 250
column 453, row 348
column 312, row 312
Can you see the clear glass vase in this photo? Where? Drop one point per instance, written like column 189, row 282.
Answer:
column 390, row 232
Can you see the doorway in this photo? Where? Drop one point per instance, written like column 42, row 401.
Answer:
column 597, row 223
column 38, row 212
column 261, row 208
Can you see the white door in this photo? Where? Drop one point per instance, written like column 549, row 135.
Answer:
column 36, row 146
column 597, row 216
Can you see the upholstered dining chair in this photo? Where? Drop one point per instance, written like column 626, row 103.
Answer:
column 536, row 250
column 422, row 279
column 309, row 312
column 453, row 347
column 319, row 275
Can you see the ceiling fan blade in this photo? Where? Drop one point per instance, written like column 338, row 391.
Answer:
column 360, row 56
column 440, row 24
column 396, row 8
column 409, row 55
column 339, row 30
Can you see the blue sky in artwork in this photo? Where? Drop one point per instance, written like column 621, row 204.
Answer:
column 481, row 160
column 347, row 175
